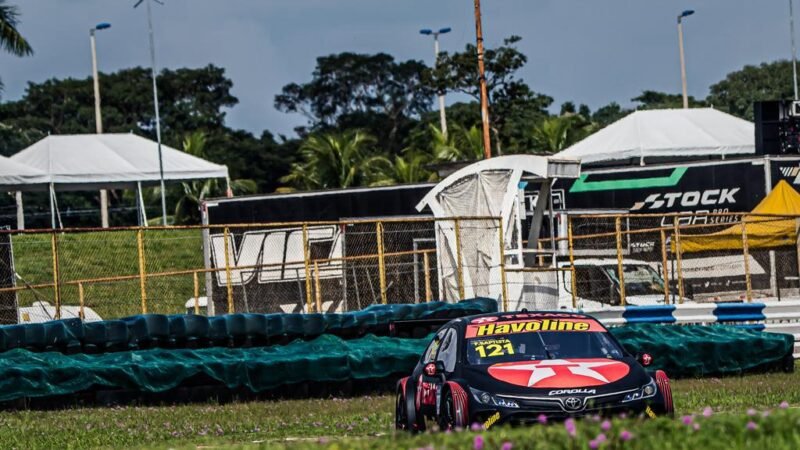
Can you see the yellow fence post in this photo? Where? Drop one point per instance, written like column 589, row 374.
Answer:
column 56, row 278
column 746, row 253
column 426, row 264
column 81, row 315
column 573, row 283
column 620, row 270
column 196, row 292
column 307, row 265
column 678, row 257
column 381, row 262
column 503, row 282
column 664, row 269
column 459, row 262
column 225, row 237
column 317, row 290
column 142, row 269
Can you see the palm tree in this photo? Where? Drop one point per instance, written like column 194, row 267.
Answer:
column 556, row 133
column 333, row 160
column 10, row 39
column 460, row 144
column 402, row 170
column 187, row 210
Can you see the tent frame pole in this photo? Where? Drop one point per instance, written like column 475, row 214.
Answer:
column 52, row 207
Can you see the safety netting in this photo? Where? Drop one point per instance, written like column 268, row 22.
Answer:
column 706, row 350
column 230, row 330
column 680, row 350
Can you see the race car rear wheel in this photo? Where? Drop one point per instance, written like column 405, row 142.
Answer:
column 662, row 381
column 405, row 415
column 401, row 412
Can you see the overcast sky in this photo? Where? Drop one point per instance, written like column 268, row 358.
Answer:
column 587, row 51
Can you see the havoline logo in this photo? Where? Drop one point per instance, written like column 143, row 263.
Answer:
column 690, row 199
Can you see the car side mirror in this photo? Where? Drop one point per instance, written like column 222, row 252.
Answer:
column 644, row 359
column 434, row 368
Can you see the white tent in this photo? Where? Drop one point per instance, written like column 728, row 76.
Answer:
column 15, row 175
column 107, row 161
column 677, row 134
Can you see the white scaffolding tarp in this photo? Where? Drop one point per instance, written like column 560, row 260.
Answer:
column 678, row 134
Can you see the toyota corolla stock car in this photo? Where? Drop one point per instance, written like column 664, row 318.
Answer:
column 510, row 368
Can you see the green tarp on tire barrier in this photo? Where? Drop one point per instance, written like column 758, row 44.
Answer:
column 680, row 350
column 700, row 350
column 326, row 358
column 230, row 330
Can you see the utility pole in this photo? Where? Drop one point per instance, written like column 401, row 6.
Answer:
column 435, row 34
column 98, row 117
column 487, row 143
column 686, row 13
column 794, row 49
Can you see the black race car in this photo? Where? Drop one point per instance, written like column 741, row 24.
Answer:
column 503, row 368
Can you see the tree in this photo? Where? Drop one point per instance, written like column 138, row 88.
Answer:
column 187, row 208
column 737, row 92
column 554, row 134
column 661, row 100
column 333, row 160
column 351, row 90
column 513, row 105
column 608, row 114
column 402, row 169
column 11, row 39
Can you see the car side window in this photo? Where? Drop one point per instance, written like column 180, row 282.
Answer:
column 448, row 351
column 430, row 352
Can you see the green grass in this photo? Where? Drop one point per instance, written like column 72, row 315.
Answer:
column 367, row 422
column 109, row 254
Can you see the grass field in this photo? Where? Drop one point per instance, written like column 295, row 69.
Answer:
column 108, row 254
column 367, row 422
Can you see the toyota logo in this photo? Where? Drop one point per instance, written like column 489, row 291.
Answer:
column 572, row 403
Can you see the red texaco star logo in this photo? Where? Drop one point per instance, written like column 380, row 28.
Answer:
column 560, row 373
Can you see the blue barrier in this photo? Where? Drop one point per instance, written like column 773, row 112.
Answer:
column 649, row 314
column 739, row 312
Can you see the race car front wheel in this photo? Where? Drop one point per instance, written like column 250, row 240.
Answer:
column 453, row 413
column 662, row 381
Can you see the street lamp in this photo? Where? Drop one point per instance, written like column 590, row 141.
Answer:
column 98, row 118
column 428, row 32
column 686, row 13
column 155, row 103
column 794, row 49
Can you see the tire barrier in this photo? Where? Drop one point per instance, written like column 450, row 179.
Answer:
column 776, row 317
column 232, row 330
column 692, row 350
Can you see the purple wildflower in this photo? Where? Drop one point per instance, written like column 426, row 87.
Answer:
column 506, row 446
column 784, row 404
column 606, row 425
column 696, row 426
column 569, row 424
column 751, row 412
column 601, row 437
column 626, row 435
column 542, row 419
column 765, row 413
column 477, row 443
column 594, row 444
column 687, row 420
column 476, row 427
column 751, row 425
column 708, row 412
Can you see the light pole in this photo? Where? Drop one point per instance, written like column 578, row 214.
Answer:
column 686, row 13
column 487, row 143
column 98, row 117
column 427, row 32
column 794, row 49
column 155, row 104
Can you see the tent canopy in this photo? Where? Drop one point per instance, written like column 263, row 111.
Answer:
column 108, row 161
column 672, row 134
column 762, row 231
column 15, row 175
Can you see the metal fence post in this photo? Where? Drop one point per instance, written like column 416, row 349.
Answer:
column 620, row 270
column 142, row 269
column 228, row 285
column 746, row 253
column 426, row 264
column 573, row 283
column 459, row 263
column 56, row 277
column 307, row 264
column 678, row 257
column 381, row 261
column 196, row 292
column 317, row 290
column 503, row 282
column 81, row 315
column 664, row 269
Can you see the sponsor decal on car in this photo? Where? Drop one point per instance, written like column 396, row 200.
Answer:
column 527, row 326
column 572, row 391
column 491, row 420
column 560, row 373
